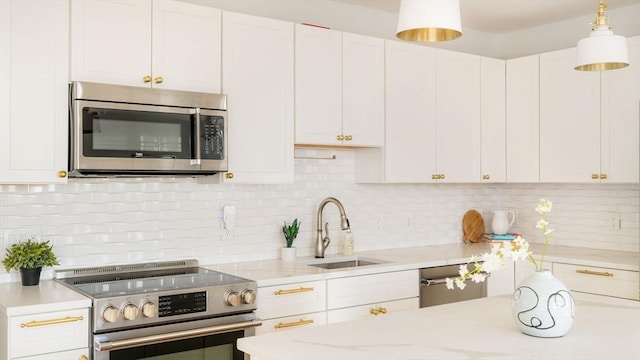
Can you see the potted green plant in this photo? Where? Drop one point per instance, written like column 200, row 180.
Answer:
column 290, row 233
column 29, row 257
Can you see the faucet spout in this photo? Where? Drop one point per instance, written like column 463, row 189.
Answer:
column 322, row 242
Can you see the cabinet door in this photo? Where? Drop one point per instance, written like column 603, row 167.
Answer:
column 620, row 120
column 458, row 116
column 318, row 77
column 409, row 152
column 33, row 91
column 186, row 46
column 492, row 120
column 54, row 331
column 569, row 120
column 523, row 120
column 362, row 90
column 369, row 289
column 291, row 299
column 257, row 76
column 371, row 310
column 111, row 41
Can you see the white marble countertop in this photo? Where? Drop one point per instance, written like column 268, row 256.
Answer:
column 48, row 296
column 277, row 272
column 604, row 328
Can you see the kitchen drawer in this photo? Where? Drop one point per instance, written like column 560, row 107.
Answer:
column 292, row 322
column 48, row 332
column 291, row 299
column 369, row 289
column 378, row 309
column 598, row 280
column 78, row 354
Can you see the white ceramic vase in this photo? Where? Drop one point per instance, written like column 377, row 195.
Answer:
column 542, row 306
column 288, row 254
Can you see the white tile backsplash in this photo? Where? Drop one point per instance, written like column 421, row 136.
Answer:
column 99, row 221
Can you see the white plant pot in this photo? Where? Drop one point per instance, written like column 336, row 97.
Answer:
column 542, row 306
column 288, row 254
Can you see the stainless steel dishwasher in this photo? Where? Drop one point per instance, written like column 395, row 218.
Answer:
column 433, row 288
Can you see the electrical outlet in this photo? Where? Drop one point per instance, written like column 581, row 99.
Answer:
column 614, row 221
column 516, row 215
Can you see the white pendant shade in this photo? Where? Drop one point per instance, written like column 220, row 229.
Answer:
column 602, row 50
column 429, row 20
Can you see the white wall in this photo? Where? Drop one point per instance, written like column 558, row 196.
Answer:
column 94, row 222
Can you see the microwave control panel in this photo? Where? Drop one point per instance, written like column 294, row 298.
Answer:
column 212, row 137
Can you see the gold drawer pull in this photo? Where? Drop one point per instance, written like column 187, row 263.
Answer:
column 377, row 311
column 300, row 322
column 293, row 291
column 67, row 319
column 599, row 273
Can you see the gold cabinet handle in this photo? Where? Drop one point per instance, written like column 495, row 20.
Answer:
column 486, row 177
column 379, row 310
column 229, row 175
column 300, row 322
column 603, row 176
column 595, row 176
column 598, row 273
column 340, row 137
column 146, row 79
column 158, row 80
column 67, row 319
column 293, row 291
column 348, row 137
column 62, row 174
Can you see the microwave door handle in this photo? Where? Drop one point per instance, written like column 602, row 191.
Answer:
column 196, row 161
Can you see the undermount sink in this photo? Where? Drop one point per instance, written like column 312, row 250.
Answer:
column 344, row 263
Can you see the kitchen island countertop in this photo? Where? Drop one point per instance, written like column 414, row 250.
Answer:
column 604, row 328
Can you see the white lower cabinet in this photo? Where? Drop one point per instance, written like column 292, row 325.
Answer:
column 598, row 280
column 291, row 306
column 52, row 335
column 372, row 295
column 376, row 309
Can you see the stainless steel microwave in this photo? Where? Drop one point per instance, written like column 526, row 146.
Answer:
column 131, row 131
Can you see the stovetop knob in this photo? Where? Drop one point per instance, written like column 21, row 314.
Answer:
column 149, row 309
column 232, row 298
column 248, row 296
column 130, row 312
column 110, row 314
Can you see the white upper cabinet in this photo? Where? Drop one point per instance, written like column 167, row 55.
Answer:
column 620, row 120
column 569, row 119
column 362, row 90
column 589, row 121
column 339, row 88
column 160, row 43
column 34, row 63
column 318, row 78
column 258, row 80
column 523, row 120
column 457, row 117
column 492, row 120
column 409, row 153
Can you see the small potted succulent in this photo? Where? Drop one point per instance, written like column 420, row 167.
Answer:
column 290, row 233
column 29, row 257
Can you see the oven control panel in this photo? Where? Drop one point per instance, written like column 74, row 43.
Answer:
column 170, row 306
column 180, row 304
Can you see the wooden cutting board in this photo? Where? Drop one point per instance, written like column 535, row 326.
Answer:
column 472, row 226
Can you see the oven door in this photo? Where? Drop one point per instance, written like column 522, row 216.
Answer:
column 192, row 340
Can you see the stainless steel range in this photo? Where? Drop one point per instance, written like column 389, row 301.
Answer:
column 173, row 308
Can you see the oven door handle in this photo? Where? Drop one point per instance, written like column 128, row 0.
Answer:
column 178, row 335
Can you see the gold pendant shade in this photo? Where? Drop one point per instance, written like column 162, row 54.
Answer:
column 429, row 20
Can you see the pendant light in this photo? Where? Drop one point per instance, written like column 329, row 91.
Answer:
column 602, row 50
column 429, row 20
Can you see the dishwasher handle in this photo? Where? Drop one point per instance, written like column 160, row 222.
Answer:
column 439, row 281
